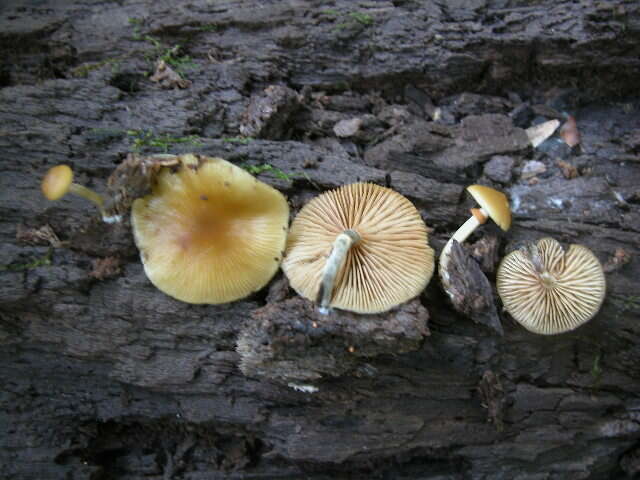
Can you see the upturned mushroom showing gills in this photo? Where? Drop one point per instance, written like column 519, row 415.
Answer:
column 361, row 247
column 549, row 290
column 494, row 205
column 209, row 232
column 58, row 181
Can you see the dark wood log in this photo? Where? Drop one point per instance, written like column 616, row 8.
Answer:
column 103, row 376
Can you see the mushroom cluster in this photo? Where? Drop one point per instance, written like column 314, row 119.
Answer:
column 210, row 232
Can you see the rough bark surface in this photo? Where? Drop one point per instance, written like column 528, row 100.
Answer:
column 103, row 376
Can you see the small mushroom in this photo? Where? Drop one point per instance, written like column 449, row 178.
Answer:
column 209, row 232
column 58, row 181
column 494, row 205
column 549, row 290
column 361, row 247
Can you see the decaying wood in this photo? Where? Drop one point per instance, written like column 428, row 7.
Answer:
column 291, row 342
column 470, row 291
column 103, row 376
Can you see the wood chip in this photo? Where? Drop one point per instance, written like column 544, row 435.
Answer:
column 347, row 128
column 532, row 168
column 620, row 258
column 569, row 132
column 493, row 398
column 38, row 236
column 568, row 170
column 104, row 268
column 166, row 77
column 539, row 133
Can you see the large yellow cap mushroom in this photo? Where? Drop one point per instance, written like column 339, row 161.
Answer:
column 210, row 232
column 362, row 248
column 548, row 290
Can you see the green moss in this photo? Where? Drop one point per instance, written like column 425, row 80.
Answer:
column 147, row 139
column 179, row 63
column 351, row 20
column 631, row 302
column 240, row 140
column 265, row 167
column 83, row 70
column 159, row 51
column 361, row 18
column 626, row 303
column 211, row 27
column 105, row 135
column 596, row 370
column 136, row 23
column 170, row 55
column 34, row 263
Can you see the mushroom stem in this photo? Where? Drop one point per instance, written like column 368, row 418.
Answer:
column 548, row 280
column 96, row 198
column 479, row 217
column 341, row 246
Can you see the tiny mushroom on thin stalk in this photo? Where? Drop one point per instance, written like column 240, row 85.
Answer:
column 361, row 247
column 209, row 232
column 58, row 181
column 494, row 205
column 549, row 290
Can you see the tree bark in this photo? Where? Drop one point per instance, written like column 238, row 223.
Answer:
column 104, row 376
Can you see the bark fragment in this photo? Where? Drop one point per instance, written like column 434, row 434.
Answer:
column 166, row 77
column 269, row 112
column 493, row 398
column 290, row 341
column 470, row 291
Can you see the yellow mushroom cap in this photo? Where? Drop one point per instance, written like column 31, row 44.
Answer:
column 390, row 264
column 56, row 182
column 210, row 232
column 495, row 203
column 563, row 292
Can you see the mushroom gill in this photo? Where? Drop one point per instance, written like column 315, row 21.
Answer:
column 361, row 247
column 548, row 290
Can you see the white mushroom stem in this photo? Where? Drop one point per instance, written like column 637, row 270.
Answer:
column 479, row 217
column 341, row 246
column 94, row 197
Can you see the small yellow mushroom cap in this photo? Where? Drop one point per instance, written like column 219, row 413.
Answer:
column 56, row 182
column 495, row 203
column 210, row 232
column 390, row 264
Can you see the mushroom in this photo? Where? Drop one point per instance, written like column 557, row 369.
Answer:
column 209, row 232
column 58, row 181
column 548, row 290
column 361, row 247
column 494, row 205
